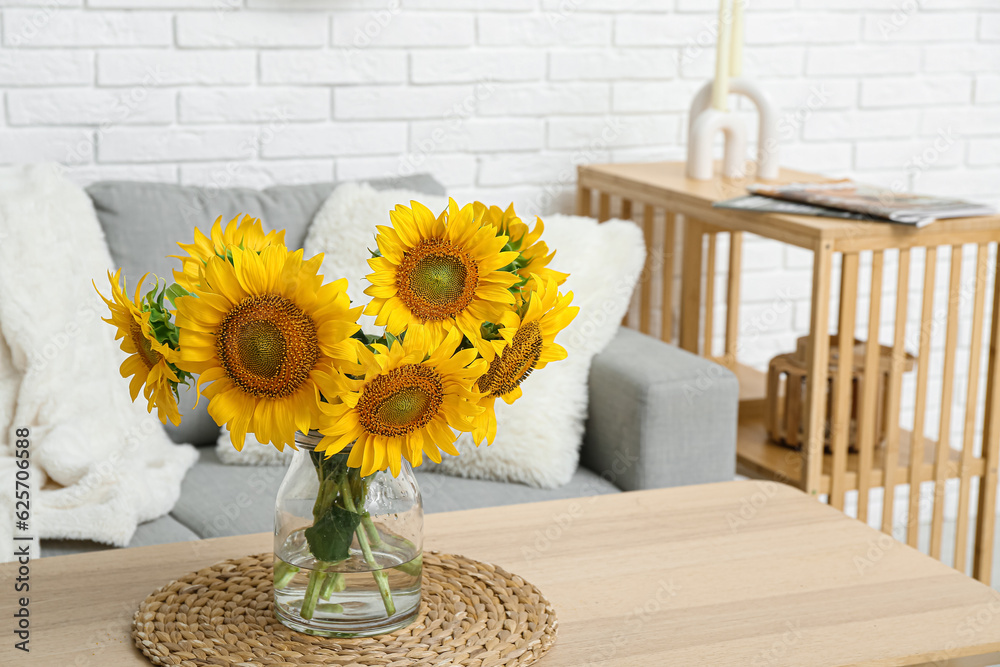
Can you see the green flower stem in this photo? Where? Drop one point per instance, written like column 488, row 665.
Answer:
column 380, row 577
column 334, row 583
column 330, row 608
column 283, row 574
column 319, row 580
column 376, row 539
column 412, row 567
column 325, row 497
column 316, row 579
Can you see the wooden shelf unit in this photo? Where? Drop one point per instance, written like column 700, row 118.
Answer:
column 682, row 227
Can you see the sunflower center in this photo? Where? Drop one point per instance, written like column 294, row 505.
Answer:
column 515, row 364
column 267, row 346
column 261, row 348
column 437, row 280
column 400, row 401
column 149, row 356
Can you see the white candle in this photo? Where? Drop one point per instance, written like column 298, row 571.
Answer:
column 736, row 57
column 720, row 87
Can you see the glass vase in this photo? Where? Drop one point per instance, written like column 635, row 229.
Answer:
column 347, row 548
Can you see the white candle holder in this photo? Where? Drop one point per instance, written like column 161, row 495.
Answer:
column 705, row 122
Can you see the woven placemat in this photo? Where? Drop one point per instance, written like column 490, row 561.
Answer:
column 472, row 614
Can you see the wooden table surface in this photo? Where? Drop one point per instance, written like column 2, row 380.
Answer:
column 738, row 573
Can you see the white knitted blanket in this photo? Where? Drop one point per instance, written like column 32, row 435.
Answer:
column 99, row 464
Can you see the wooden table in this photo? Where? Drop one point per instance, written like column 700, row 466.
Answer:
column 883, row 457
column 738, row 573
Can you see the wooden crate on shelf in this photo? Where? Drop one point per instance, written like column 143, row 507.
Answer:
column 788, row 379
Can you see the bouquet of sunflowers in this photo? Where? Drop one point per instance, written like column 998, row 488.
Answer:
column 468, row 309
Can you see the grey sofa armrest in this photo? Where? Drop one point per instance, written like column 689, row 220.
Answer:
column 659, row 416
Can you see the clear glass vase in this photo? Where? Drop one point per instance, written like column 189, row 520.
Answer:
column 347, row 548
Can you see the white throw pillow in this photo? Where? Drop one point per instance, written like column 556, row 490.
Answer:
column 344, row 229
column 538, row 438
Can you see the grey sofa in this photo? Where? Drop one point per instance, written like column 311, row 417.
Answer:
column 658, row 416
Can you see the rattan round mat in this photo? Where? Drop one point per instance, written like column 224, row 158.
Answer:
column 471, row 614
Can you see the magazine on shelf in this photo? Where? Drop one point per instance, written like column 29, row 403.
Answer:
column 869, row 201
column 763, row 204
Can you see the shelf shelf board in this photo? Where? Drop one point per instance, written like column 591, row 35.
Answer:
column 757, row 456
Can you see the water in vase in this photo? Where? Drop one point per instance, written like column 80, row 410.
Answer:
column 349, row 598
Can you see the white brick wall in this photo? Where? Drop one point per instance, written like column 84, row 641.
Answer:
column 49, row 27
column 251, row 28
column 500, row 101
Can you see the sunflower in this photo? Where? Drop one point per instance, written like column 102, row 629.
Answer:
column 438, row 273
column 534, row 254
column 529, row 344
column 402, row 402
column 149, row 361
column 258, row 330
column 247, row 234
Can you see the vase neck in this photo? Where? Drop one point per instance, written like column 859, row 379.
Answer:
column 308, row 441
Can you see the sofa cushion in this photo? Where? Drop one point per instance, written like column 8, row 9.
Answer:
column 164, row 530
column 143, row 222
column 538, row 437
column 445, row 493
column 218, row 500
column 659, row 415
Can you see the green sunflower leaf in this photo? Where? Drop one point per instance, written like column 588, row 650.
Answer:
column 175, row 292
column 513, row 245
column 331, row 535
column 489, row 331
